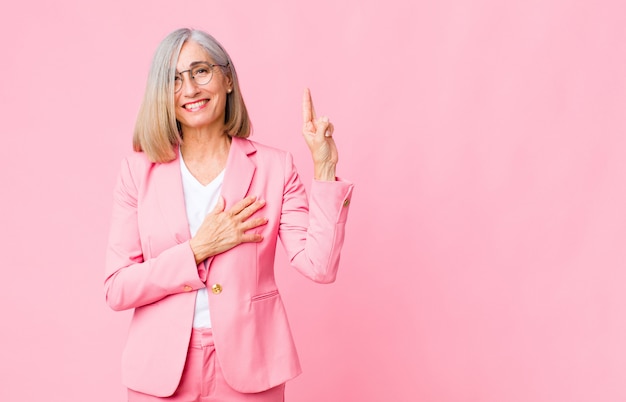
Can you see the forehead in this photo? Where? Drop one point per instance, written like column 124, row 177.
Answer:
column 189, row 53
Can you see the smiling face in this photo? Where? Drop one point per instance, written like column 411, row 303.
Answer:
column 200, row 106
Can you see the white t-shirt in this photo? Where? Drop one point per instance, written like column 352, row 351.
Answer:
column 199, row 201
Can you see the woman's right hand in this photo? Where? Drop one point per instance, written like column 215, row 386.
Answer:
column 223, row 230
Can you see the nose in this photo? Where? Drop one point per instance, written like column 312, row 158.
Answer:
column 190, row 88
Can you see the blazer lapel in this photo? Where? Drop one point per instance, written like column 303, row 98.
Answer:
column 239, row 171
column 237, row 179
column 172, row 199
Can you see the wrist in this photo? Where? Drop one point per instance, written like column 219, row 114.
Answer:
column 324, row 171
column 197, row 252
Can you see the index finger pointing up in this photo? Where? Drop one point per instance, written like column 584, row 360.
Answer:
column 308, row 111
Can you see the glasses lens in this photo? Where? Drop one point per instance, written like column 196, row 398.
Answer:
column 178, row 82
column 202, row 74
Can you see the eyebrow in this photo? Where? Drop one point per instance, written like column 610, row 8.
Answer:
column 195, row 63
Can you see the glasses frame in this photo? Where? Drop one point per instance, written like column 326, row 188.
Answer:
column 193, row 78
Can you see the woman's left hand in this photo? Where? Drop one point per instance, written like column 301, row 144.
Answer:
column 318, row 134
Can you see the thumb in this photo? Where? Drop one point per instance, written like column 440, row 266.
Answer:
column 322, row 128
column 219, row 207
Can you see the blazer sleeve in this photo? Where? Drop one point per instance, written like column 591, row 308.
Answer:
column 130, row 280
column 312, row 231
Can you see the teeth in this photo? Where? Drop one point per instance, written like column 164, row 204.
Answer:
column 196, row 105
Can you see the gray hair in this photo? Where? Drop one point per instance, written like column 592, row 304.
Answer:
column 156, row 130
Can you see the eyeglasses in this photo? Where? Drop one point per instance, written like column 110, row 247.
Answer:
column 201, row 74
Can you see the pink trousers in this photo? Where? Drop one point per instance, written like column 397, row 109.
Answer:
column 202, row 379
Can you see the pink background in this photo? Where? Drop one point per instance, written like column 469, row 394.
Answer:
column 485, row 250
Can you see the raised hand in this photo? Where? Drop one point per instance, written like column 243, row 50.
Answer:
column 318, row 134
column 222, row 230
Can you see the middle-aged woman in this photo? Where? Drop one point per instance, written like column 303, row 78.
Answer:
column 197, row 213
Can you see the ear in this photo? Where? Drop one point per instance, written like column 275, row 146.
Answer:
column 228, row 82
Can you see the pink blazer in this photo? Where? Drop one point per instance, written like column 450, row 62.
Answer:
column 150, row 267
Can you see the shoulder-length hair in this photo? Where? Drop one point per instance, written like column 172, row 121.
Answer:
column 156, row 131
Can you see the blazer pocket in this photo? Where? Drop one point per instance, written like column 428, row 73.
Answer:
column 264, row 296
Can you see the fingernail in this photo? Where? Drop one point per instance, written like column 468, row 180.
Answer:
column 327, row 133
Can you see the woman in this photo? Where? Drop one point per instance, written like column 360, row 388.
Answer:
column 197, row 214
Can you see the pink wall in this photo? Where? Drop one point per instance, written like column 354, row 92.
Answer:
column 486, row 244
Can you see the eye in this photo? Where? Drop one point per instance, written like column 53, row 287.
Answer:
column 201, row 72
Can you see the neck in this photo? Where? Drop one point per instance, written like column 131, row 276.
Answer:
column 201, row 145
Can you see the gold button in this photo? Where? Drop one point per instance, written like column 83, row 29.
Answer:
column 346, row 203
column 187, row 288
column 216, row 289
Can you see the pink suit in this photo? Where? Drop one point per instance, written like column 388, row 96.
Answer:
column 150, row 267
